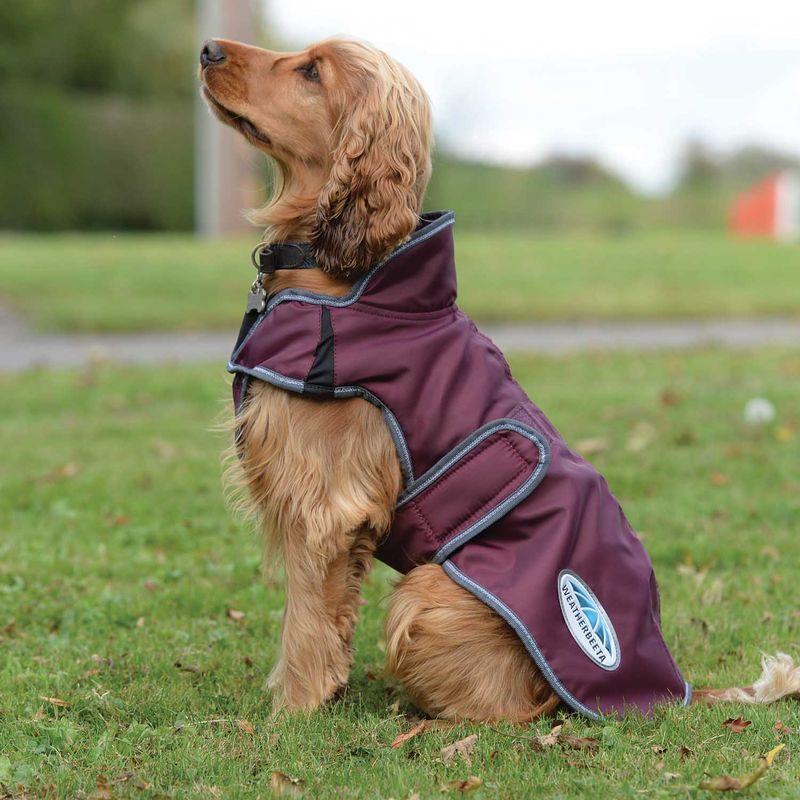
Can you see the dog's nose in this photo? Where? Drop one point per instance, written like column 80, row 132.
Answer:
column 212, row 53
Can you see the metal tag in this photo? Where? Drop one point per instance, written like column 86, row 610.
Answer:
column 256, row 299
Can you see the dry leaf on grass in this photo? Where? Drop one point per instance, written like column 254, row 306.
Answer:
column 284, row 785
column 420, row 727
column 245, row 726
column 592, row 446
column 461, row 748
column 782, row 729
column 737, row 725
column 548, row 739
column 103, row 788
column 727, row 783
column 641, row 437
column 187, row 667
column 236, row 616
column 720, row 479
column 581, row 742
column 55, row 701
column 469, row 785
column 669, row 397
column 402, row 738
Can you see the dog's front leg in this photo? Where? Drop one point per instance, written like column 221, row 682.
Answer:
column 322, row 597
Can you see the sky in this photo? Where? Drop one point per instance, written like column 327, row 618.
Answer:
column 626, row 81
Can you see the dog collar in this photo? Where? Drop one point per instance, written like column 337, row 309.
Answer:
column 267, row 257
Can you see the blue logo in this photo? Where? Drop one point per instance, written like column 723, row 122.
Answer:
column 587, row 621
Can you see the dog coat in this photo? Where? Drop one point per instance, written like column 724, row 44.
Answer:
column 492, row 492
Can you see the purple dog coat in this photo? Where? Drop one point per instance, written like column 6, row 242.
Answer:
column 492, row 492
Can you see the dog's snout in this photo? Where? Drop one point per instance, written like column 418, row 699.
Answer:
column 212, row 53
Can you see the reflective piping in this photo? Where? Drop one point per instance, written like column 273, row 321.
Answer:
column 391, row 422
column 501, row 509
column 687, row 697
column 444, row 220
column 516, row 623
column 295, row 385
column 463, row 447
column 270, row 376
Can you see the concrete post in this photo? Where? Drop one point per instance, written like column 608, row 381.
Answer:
column 226, row 167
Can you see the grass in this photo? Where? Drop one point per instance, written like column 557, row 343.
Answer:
column 138, row 282
column 119, row 562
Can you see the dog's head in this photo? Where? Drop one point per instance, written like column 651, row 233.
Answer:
column 346, row 124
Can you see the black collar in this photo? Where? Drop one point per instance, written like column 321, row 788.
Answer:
column 287, row 255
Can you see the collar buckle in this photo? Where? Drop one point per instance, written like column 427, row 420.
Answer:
column 267, row 258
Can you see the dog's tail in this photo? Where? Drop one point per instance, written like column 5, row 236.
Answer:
column 780, row 678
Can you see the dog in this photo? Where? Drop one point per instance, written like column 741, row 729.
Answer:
column 325, row 473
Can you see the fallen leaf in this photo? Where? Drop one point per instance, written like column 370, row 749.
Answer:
column 285, row 786
column 782, row 729
column 55, row 701
column 187, row 667
column 737, row 725
column 592, row 446
column 236, row 616
column 727, row 783
column 685, row 752
column 39, row 714
column 469, row 785
column 548, row 739
column 461, row 748
column 64, row 472
column 402, row 738
column 245, row 726
column 581, row 742
column 669, row 397
column 103, row 788
column 770, row 551
column 641, row 437
column 140, row 622
column 714, row 592
column 166, row 451
column 658, row 749
column 719, row 479
column 783, row 434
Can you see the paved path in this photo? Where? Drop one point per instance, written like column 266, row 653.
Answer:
column 21, row 349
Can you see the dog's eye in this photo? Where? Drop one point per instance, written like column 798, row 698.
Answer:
column 310, row 71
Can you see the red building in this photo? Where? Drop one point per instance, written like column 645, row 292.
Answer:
column 770, row 208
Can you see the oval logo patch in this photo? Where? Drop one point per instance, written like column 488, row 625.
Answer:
column 587, row 621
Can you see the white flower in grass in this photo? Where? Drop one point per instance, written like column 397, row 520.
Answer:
column 759, row 411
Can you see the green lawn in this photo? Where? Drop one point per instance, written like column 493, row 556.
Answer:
column 134, row 282
column 122, row 675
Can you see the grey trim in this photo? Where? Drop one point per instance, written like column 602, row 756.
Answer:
column 298, row 386
column 270, row 376
column 463, row 447
column 516, row 623
column 502, row 508
column 444, row 220
column 687, row 697
column 391, row 421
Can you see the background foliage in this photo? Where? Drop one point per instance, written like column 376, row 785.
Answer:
column 98, row 104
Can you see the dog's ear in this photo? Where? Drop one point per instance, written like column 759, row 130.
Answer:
column 380, row 167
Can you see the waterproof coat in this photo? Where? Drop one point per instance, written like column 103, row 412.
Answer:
column 492, row 492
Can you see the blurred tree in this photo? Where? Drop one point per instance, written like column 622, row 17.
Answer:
column 97, row 129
